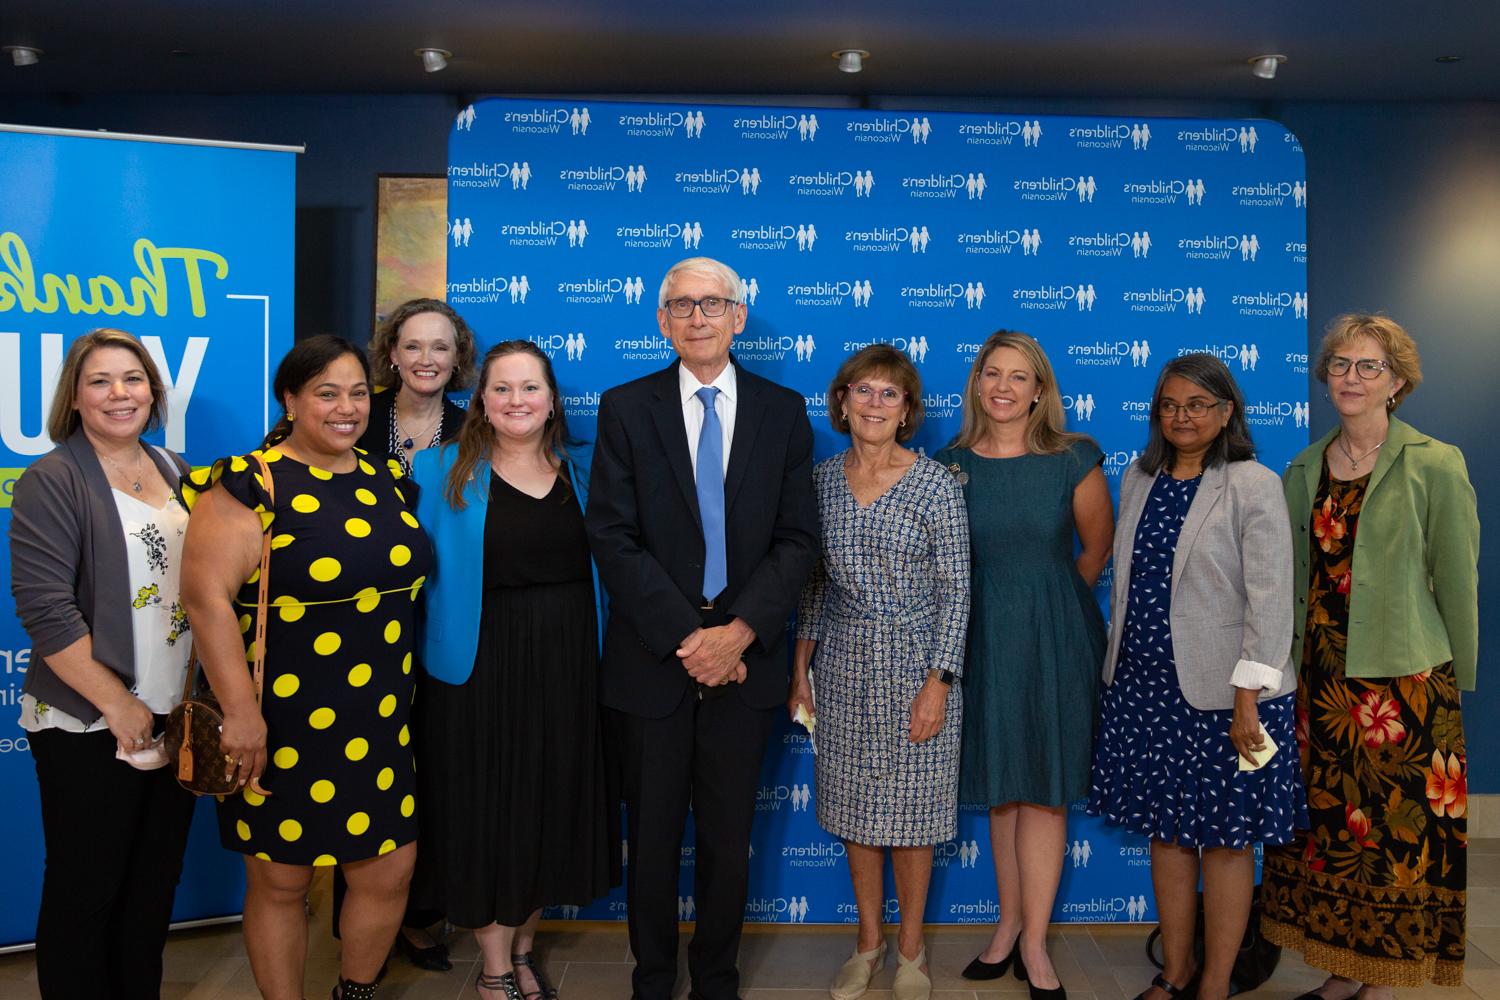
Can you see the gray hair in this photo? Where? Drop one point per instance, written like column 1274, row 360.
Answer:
column 703, row 267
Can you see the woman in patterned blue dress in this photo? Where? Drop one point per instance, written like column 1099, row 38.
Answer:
column 886, row 612
column 1198, row 675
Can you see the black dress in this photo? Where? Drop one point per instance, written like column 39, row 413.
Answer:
column 512, row 758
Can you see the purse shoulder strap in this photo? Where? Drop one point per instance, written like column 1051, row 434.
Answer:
column 264, row 585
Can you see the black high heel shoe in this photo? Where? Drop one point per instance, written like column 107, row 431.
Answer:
column 433, row 958
column 543, row 988
column 1174, row 992
column 981, row 970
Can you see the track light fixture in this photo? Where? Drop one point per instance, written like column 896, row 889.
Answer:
column 23, row 55
column 851, row 60
column 1265, row 66
column 434, row 60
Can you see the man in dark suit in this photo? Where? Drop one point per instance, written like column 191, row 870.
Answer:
column 702, row 519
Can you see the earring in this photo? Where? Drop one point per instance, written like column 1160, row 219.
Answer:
column 1037, row 400
column 1390, row 404
column 902, row 423
column 290, row 416
column 551, row 414
column 395, row 367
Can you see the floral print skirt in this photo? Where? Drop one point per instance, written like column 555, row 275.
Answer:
column 1374, row 890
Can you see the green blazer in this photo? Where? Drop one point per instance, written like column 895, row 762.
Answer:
column 1415, row 601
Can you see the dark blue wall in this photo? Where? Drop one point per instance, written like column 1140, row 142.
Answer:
column 1403, row 216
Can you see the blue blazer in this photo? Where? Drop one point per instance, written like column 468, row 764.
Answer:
column 448, row 636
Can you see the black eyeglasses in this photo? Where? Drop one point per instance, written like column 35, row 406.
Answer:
column 712, row 306
column 1195, row 408
column 1368, row 368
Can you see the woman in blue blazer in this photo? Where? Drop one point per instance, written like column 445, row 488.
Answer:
column 515, row 812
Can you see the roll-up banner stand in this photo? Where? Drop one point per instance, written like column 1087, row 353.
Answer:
column 187, row 244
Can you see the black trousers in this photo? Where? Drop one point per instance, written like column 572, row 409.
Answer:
column 114, row 839
column 706, row 753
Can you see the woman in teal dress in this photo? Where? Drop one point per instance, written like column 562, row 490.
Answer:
column 1036, row 637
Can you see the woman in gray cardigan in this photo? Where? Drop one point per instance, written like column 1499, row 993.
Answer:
column 96, row 531
column 1198, row 676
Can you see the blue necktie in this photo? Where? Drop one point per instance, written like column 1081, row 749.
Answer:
column 711, row 495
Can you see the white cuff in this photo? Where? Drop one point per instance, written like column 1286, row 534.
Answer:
column 1252, row 676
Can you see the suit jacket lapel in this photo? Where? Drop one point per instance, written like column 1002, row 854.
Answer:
column 1312, row 469
column 1210, row 492
column 1397, row 436
column 748, row 414
column 667, row 413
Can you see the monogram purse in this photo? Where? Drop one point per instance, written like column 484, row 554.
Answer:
column 195, row 724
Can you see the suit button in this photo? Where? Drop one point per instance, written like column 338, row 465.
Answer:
column 1301, row 600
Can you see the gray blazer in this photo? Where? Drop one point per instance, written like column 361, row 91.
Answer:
column 69, row 572
column 1231, row 592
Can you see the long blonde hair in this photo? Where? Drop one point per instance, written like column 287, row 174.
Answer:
column 476, row 437
column 1045, row 434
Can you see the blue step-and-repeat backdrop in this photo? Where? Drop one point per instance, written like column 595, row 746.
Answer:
column 187, row 245
column 1117, row 243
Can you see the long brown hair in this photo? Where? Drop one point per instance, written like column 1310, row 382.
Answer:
column 1045, row 433
column 63, row 418
column 476, row 437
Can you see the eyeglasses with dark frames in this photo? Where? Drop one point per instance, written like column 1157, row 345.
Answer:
column 712, row 306
column 1368, row 369
column 1194, row 408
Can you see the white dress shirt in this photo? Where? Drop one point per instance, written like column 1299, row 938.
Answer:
column 692, row 409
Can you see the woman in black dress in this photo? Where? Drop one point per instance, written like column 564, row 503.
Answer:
column 513, row 765
column 421, row 352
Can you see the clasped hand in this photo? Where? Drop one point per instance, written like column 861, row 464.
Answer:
column 711, row 656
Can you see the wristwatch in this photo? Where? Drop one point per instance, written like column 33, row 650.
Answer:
column 946, row 676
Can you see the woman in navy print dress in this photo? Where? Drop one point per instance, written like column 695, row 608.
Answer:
column 1198, row 672
column 885, row 614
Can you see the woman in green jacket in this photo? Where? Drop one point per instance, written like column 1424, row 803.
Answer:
column 1387, row 634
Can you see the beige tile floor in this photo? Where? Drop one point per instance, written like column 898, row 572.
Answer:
column 777, row 962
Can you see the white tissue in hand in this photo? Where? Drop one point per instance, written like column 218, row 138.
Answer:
column 805, row 720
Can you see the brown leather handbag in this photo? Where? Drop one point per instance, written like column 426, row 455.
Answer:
column 195, row 724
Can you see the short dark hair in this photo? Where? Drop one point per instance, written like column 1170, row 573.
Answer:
column 886, row 361
column 1212, row 376
column 303, row 363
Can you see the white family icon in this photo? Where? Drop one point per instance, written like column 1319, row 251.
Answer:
column 518, row 288
column 1248, row 139
column 574, row 345
column 632, row 287
column 864, row 183
column 968, row 853
column 804, row 347
column 520, row 176
column 465, row 120
column 1299, row 303
column 1031, row 242
column 1249, row 357
column 578, row 231
column 975, row 185
column 1140, row 135
column 1086, row 188
column 919, row 238
column 1140, row 353
column 806, row 236
column 635, row 178
column 579, row 119
column 1194, row 299
column 750, row 180
column 1135, row 908
column 461, row 229
column 1085, row 295
column 807, row 127
column 1081, row 852
column 1249, row 246
column 860, row 292
column 1194, row 190
column 917, row 348
column 974, row 295
column 692, row 232
column 749, row 290
column 692, row 125
column 1031, row 133
column 921, row 128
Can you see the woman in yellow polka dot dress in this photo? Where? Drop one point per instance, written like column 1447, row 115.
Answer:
column 330, row 743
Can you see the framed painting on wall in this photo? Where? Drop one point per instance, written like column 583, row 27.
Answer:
column 411, row 249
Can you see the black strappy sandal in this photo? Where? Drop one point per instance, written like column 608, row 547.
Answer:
column 505, row 983
column 1174, row 992
column 544, row 989
column 348, row 989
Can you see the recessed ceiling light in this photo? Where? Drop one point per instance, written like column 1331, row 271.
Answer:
column 434, row 60
column 23, row 55
column 851, row 60
column 1449, row 59
column 1265, row 66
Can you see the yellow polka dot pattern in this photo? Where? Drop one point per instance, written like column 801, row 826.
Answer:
column 344, row 788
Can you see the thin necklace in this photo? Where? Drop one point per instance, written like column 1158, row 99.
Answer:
column 1344, row 447
column 138, row 456
column 410, row 440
